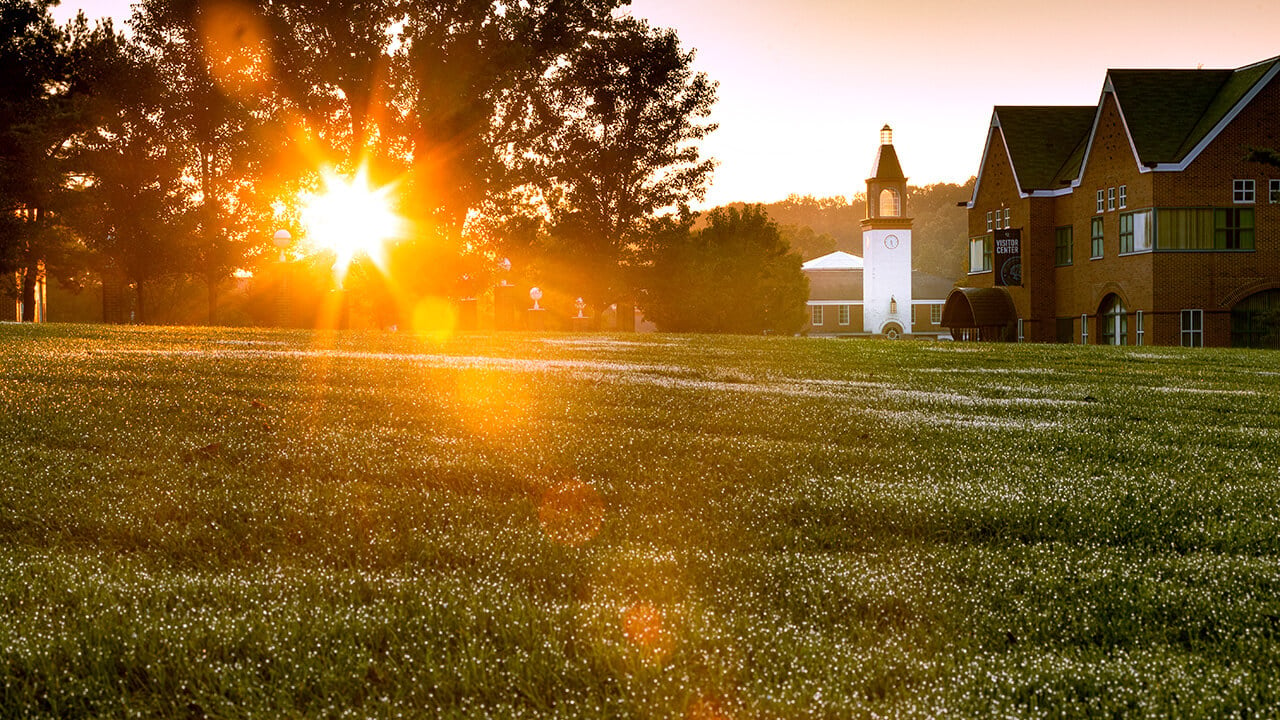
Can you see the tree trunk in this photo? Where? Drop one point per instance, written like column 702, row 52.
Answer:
column 30, row 278
column 31, row 273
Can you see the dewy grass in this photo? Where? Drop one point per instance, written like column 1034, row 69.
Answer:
column 219, row 523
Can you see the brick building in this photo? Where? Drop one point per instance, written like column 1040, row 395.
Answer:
column 1141, row 220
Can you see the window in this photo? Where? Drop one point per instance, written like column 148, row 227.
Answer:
column 1242, row 192
column 1113, row 323
column 889, row 203
column 990, row 227
column 816, row 319
column 1020, row 335
column 1111, row 199
column 935, row 314
column 1204, row 229
column 1126, row 233
column 843, row 316
column 1100, row 201
column 1274, row 191
column 1135, row 232
column 1062, row 246
column 1124, row 196
column 1137, row 321
column 1084, row 329
column 1192, row 328
column 1095, row 238
column 1006, row 218
column 913, row 314
column 980, row 254
column 1233, row 228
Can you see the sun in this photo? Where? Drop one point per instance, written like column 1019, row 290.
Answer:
column 350, row 218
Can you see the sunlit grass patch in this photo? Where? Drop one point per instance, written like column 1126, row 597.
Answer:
column 235, row 523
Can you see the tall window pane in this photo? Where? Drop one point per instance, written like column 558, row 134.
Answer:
column 1062, row 246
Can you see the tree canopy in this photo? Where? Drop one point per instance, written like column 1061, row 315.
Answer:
column 560, row 130
column 737, row 275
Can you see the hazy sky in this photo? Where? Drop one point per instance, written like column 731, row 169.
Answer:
column 805, row 85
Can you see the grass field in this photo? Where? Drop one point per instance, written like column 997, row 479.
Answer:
column 253, row 524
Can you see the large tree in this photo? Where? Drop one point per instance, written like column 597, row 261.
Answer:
column 335, row 66
column 214, row 68
column 440, row 97
column 37, row 115
column 632, row 112
column 735, row 275
column 133, row 206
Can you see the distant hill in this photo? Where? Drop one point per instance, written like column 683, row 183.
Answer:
column 817, row 226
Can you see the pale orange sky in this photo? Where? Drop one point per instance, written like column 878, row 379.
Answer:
column 805, row 85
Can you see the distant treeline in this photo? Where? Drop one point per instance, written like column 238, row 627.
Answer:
column 817, row 226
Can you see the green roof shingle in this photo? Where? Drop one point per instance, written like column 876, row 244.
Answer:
column 1162, row 107
column 1043, row 140
column 1167, row 113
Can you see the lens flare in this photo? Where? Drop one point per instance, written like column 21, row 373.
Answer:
column 236, row 46
column 435, row 319
column 350, row 218
column 571, row 513
column 644, row 627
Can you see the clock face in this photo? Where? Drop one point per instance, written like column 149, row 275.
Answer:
column 891, row 241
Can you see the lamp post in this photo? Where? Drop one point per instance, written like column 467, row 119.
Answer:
column 581, row 323
column 282, row 240
column 535, row 314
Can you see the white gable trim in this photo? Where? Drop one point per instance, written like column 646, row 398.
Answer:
column 982, row 165
column 1054, row 193
column 1222, row 124
column 1107, row 89
column 977, row 185
column 1012, row 168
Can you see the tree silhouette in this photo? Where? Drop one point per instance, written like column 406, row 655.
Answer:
column 632, row 111
column 132, row 206
column 37, row 116
column 735, row 275
column 211, row 65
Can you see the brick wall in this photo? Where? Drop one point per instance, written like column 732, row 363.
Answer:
column 1161, row 284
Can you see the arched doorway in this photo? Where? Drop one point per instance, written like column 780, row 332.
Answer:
column 1113, row 322
column 1255, row 320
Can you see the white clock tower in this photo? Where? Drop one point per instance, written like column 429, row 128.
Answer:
column 886, row 247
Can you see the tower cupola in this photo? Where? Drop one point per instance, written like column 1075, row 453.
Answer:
column 887, row 186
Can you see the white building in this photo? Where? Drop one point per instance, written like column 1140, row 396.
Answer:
column 877, row 294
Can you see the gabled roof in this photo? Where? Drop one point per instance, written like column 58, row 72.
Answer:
column 836, row 286
column 1045, row 143
column 834, row 261
column 1170, row 116
column 1229, row 95
column 1162, row 107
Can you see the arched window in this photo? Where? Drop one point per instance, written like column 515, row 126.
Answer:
column 1255, row 321
column 889, row 203
column 1113, row 323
